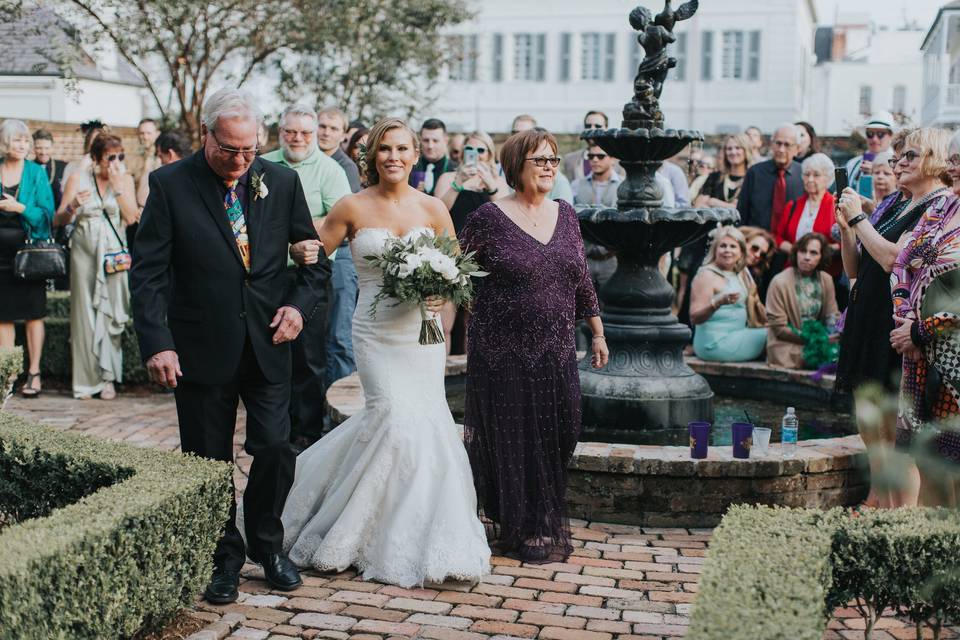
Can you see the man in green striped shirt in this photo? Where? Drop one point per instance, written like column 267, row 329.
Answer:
column 324, row 182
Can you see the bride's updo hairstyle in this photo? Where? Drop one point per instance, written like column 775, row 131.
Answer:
column 368, row 156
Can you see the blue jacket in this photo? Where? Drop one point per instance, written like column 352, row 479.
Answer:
column 35, row 193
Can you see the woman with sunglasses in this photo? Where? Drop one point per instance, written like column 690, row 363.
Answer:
column 101, row 202
column 475, row 183
column 522, row 406
column 869, row 251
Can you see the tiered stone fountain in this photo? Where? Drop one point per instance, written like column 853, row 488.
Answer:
column 646, row 386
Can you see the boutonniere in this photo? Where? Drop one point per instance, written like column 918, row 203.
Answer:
column 260, row 190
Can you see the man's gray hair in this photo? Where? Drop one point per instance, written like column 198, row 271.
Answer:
column 819, row 162
column 230, row 103
column 10, row 129
column 791, row 127
column 298, row 109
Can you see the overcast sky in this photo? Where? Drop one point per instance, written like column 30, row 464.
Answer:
column 884, row 12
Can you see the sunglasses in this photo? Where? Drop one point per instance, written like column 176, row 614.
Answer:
column 596, row 156
column 543, row 161
column 116, row 156
column 755, row 248
column 909, row 156
column 880, row 135
column 595, row 125
column 477, row 149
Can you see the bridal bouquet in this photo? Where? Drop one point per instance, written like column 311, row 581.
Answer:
column 416, row 268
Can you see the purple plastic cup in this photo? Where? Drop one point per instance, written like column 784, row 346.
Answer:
column 699, row 439
column 742, row 439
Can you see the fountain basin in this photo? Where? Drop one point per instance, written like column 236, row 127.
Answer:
column 642, row 145
column 650, row 231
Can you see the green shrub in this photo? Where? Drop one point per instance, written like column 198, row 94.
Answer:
column 767, row 575
column 11, row 364
column 126, row 536
column 779, row 573
column 56, row 361
column 903, row 558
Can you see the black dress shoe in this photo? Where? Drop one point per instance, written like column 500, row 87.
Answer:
column 280, row 572
column 223, row 587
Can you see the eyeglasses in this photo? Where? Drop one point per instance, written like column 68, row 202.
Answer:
column 477, row 149
column 755, row 248
column 909, row 156
column 880, row 135
column 595, row 125
column 954, row 161
column 294, row 133
column 116, row 156
column 596, row 156
column 248, row 154
column 543, row 161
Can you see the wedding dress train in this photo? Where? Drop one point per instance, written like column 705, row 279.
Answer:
column 389, row 491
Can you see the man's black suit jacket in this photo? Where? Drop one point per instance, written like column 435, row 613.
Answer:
column 190, row 291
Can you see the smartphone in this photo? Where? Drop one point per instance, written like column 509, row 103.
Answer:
column 865, row 186
column 470, row 156
column 840, row 179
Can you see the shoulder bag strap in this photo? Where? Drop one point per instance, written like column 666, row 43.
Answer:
column 103, row 208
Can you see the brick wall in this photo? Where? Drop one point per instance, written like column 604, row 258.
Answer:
column 68, row 140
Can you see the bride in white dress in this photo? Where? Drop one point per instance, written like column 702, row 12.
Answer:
column 389, row 491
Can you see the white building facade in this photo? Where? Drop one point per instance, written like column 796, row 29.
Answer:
column 884, row 72
column 741, row 63
column 941, row 69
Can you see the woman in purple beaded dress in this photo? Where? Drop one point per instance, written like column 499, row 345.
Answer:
column 522, row 414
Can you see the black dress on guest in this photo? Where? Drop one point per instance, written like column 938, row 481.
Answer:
column 466, row 203
column 19, row 299
column 865, row 351
column 522, row 409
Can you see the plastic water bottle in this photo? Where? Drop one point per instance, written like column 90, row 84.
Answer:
column 788, row 433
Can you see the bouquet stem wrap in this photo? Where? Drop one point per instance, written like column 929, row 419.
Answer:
column 430, row 330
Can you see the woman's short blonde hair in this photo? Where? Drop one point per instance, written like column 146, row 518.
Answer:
column 719, row 234
column 368, row 157
column 10, row 129
column 488, row 142
column 934, row 146
column 742, row 141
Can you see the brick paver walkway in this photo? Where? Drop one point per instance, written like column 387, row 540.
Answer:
column 621, row 583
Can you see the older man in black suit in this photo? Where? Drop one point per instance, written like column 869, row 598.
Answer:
column 214, row 315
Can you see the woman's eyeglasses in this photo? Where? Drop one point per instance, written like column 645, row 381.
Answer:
column 116, row 156
column 543, row 161
column 909, row 156
column 596, row 156
column 479, row 150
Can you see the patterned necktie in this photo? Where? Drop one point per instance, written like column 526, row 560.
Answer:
column 779, row 200
column 238, row 223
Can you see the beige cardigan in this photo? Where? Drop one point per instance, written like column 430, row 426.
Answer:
column 784, row 347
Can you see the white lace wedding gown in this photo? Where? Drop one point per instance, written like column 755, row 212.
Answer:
column 389, row 491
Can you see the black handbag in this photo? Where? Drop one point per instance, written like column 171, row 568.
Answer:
column 39, row 259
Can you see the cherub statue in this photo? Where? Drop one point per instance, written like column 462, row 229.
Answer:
column 654, row 39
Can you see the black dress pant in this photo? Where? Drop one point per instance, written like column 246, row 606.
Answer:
column 308, row 393
column 208, row 415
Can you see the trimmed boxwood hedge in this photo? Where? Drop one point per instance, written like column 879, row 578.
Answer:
column 11, row 364
column 779, row 573
column 117, row 538
column 56, row 362
column 767, row 575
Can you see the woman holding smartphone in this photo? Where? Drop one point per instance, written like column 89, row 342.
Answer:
column 476, row 182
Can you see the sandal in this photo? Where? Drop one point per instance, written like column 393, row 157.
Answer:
column 27, row 390
column 108, row 392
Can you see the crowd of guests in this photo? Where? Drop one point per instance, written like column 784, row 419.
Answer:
column 805, row 263
column 870, row 270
